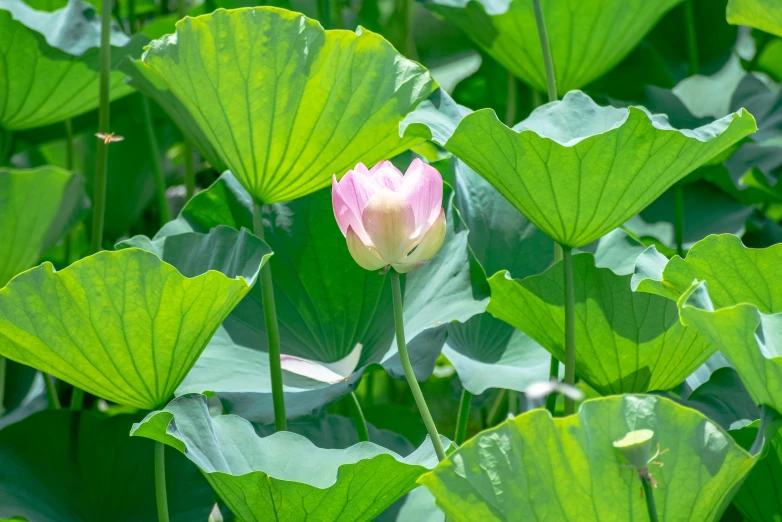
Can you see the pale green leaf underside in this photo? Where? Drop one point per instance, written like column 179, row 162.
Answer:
column 124, row 325
column 35, row 206
column 627, row 342
column 731, row 294
column 284, row 476
column 765, row 15
column 565, row 469
column 587, row 37
column 578, row 170
column 50, row 74
column 284, row 103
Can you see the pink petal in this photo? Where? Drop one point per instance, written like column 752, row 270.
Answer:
column 309, row 369
column 384, row 174
column 423, row 188
column 347, row 365
column 348, row 198
column 366, row 256
column 429, row 245
column 389, row 222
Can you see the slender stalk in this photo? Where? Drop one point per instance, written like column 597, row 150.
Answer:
column 649, row 496
column 408, row 368
column 3, row 364
column 77, row 399
column 462, row 417
column 272, row 328
column 553, row 375
column 160, row 482
column 369, row 392
column 513, row 96
column 692, row 38
column 570, row 326
column 678, row 225
column 551, row 80
column 324, row 13
column 132, row 16
column 68, row 145
column 102, row 155
column 513, row 402
column 181, row 9
column 494, row 410
column 154, row 152
column 51, row 392
column 358, row 418
column 190, row 184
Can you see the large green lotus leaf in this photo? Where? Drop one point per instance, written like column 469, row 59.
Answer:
column 284, row 103
column 36, row 207
column 506, row 30
column 326, row 303
column 62, row 466
column 577, row 170
column 534, row 467
column 627, row 341
column 765, row 15
column 759, row 499
column 284, row 476
column 127, row 326
column 50, row 71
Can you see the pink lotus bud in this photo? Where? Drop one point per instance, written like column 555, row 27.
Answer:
column 390, row 219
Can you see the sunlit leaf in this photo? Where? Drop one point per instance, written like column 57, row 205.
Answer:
column 326, row 304
column 50, row 67
column 507, row 31
column 284, row 476
column 36, row 207
column 577, row 170
column 627, row 341
column 283, row 104
column 534, row 467
column 62, row 466
column 127, row 326
column 765, row 15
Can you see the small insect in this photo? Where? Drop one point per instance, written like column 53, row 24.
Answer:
column 109, row 137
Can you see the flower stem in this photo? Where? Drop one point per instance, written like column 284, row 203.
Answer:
column 160, row 482
column 358, row 418
column 190, row 184
column 553, row 375
column 51, row 392
column 157, row 171
column 649, row 496
column 408, row 368
column 77, row 399
column 272, row 328
column 678, row 225
column 692, row 38
column 462, row 417
column 68, row 145
column 513, row 91
column 551, row 80
column 102, row 154
column 570, row 326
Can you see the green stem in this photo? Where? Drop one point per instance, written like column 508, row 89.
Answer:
column 102, row 155
column 494, row 411
column 189, row 170
column 6, row 146
column 678, row 225
column 369, row 392
column 324, row 13
column 553, row 375
column 408, row 368
column 551, row 80
column 513, row 402
column 2, row 383
column 181, row 9
column 358, row 418
column 77, row 399
column 570, row 326
column 160, row 482
column 692, row 38
column 51, row 392
column 272, row 328
column 510, row 112
column 68, row 145
column 132, row 16
column 157, row 171
column 462, row 417
column 649, row 496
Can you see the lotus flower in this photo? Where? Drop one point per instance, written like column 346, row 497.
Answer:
column 390, row 220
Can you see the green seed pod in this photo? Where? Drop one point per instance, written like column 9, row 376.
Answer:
column 636, row 447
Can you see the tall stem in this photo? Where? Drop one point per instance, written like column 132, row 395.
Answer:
column 462, row 417
column 551, row 80
column 553, row 375
column 324, row 13
column 68, row 145
column 154, row 152
column 132, row 16
column 513, row 95
column 692, row 38
column 77, row 399
column 570, row 326
column 3, row 364
column 102, row 155
column 51, row 392
column 161, row 496
column 272, row 328
column 678, row 225
column 408, row 368
column 358, row 418
column 649, row 496
column 190, row 184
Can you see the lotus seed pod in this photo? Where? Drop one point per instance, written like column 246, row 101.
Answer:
column 636, row 447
